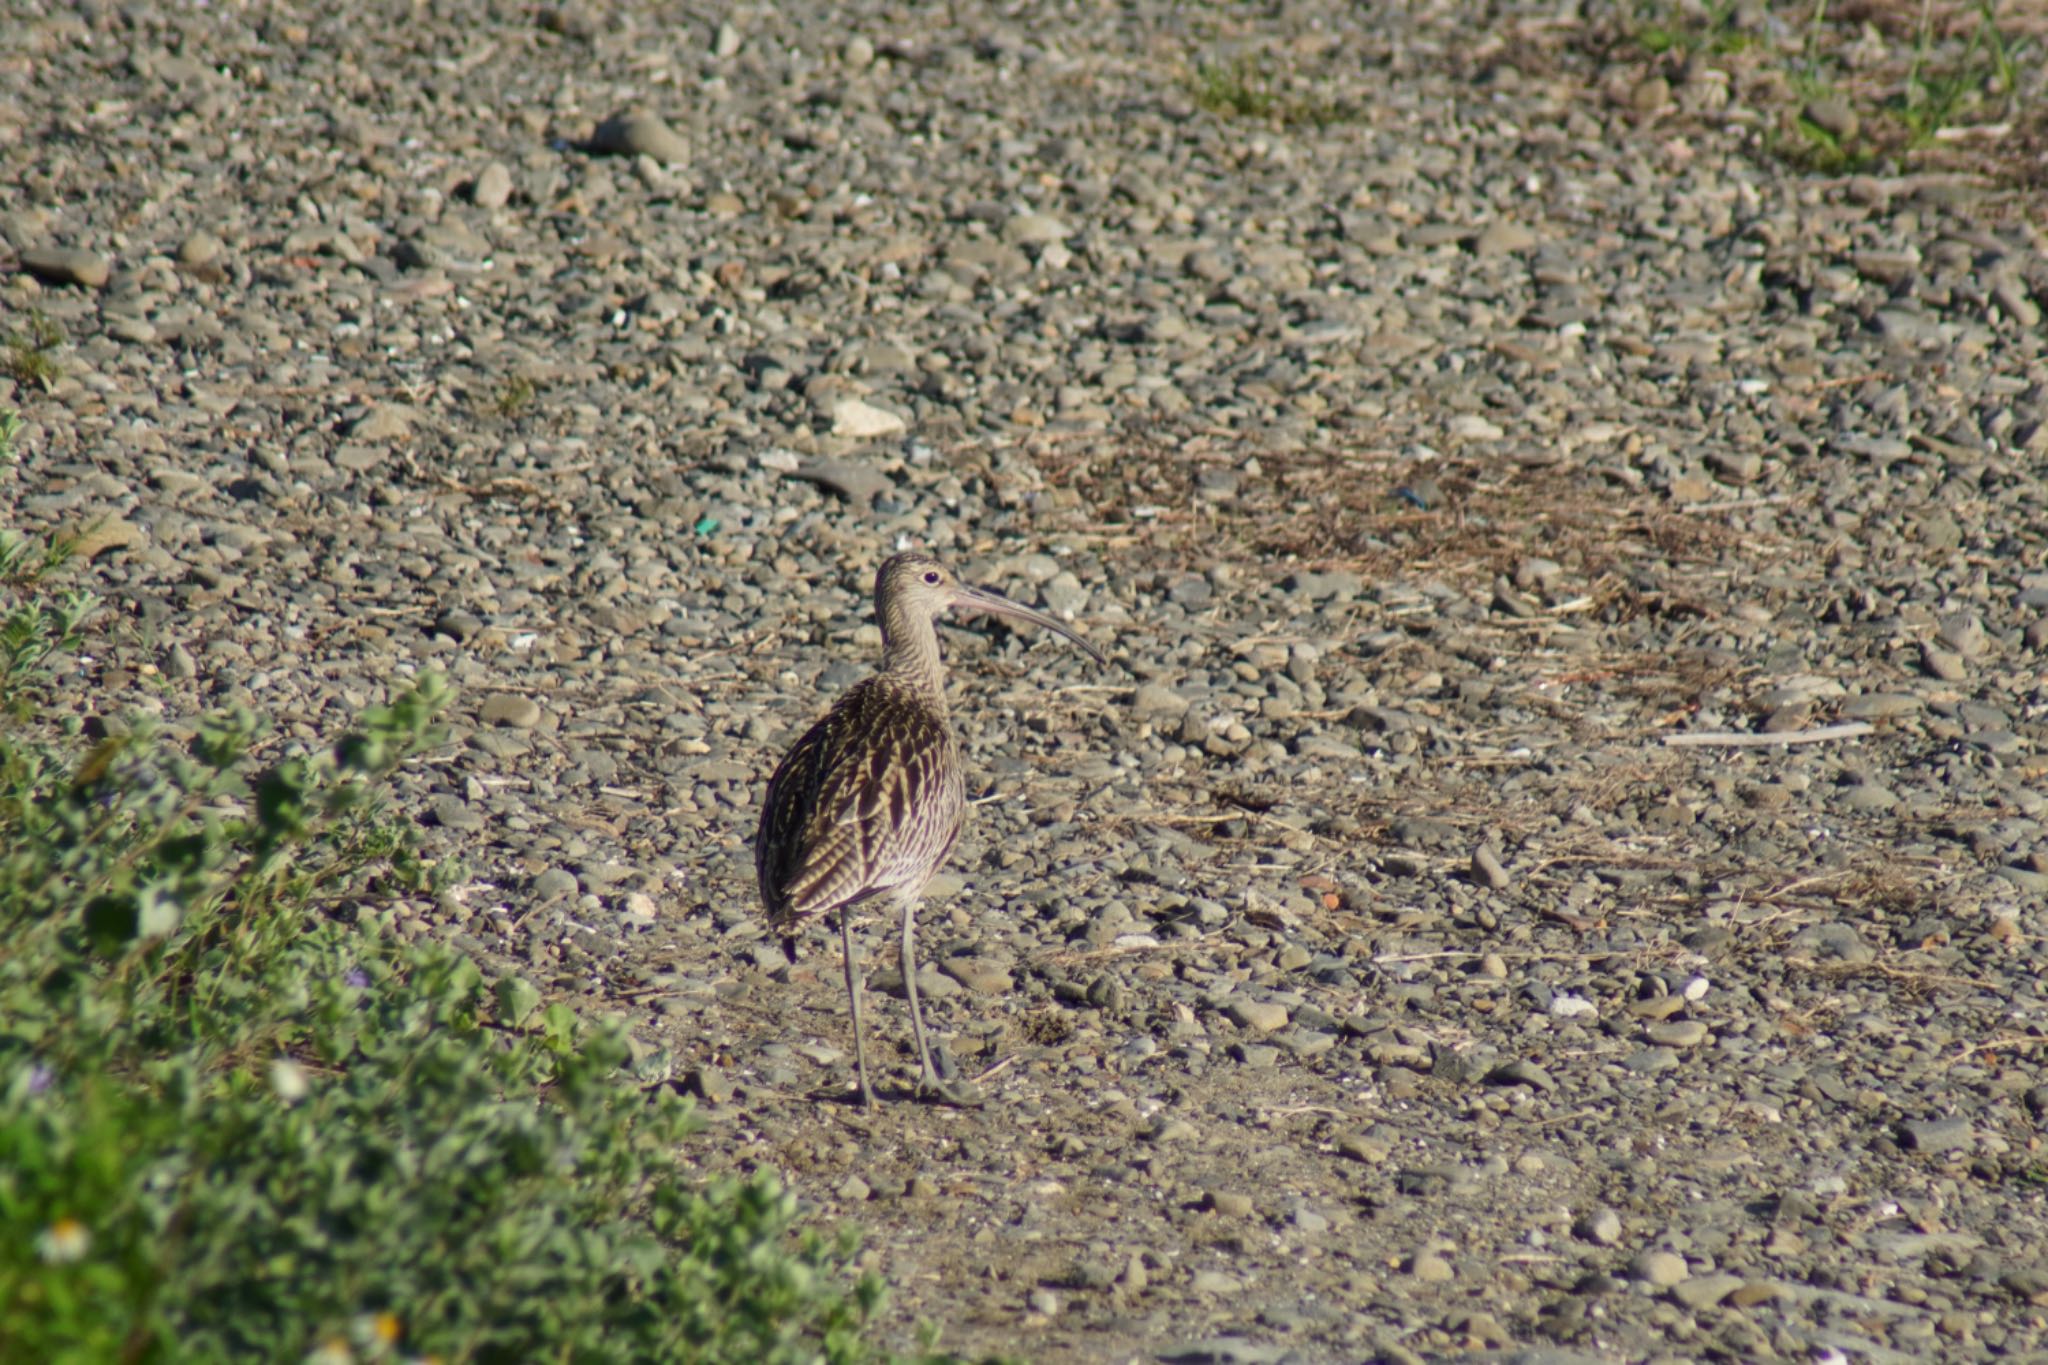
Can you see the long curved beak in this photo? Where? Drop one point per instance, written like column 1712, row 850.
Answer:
column 982, row 599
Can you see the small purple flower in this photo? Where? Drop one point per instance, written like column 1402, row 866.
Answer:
column 358, row 978
column 39, row 1078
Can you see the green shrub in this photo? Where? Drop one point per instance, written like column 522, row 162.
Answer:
column 242, row 1119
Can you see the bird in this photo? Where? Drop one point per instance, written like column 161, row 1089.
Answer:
column 868, row 803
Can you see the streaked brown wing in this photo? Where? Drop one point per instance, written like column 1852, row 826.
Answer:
column 869, row 799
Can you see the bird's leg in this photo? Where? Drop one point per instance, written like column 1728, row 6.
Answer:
column 928, row 1083
column 860, row 1041
column 929, row 1076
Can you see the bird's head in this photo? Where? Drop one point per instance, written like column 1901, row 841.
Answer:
column 916, row 587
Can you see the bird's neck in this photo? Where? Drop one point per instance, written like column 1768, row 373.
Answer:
column 910, row 654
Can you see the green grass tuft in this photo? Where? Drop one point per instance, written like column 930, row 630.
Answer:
column 27, row 355
column 1907, row 97
column 1232, row 89
column 1241, row 88
column 514, row 396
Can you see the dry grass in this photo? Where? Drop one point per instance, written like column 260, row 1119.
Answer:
column 1352, row 510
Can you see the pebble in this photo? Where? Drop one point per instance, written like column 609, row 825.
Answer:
column 711, row 1085
column 1964, row 633
column 1698, row 1295
column 1504, row 239
column 641, row 134
column 1157, row 701
column 861, row 421
column 1659, row 1268
column 1135, row 1278
column 1602, row 1227
column 1230, row 1204
column 458, row 625
column 1035, row 229
column 1945, row 664
column 1868, row 797
column 1487, row 869
column 67, row 265
column 1936, row 1135
column 1521, row 1071
column 1678, row 1033
column 983, row 976
column 554, row 884
column 1472, row 427
column 200, row 249
column 1430, row 1268
column 514, row 712
column 382, row 422
column 492, row 188
column 90, row 539
column 1879, row 706
column 1737, row 466
column 1371, row 1151
column 1258, row 1015
column 452, row 813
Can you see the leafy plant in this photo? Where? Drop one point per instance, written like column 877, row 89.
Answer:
column 34, row 628
column 33, row 631
column 25, row 560
column 10, row 432
column 242, row 1118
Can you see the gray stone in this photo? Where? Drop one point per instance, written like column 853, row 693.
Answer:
column 641, row 134
column 554, row 884
column 1659, row 1268
column 1261, row 1016
column 1936, row 1136
column 492, row 188
column 518, row 713
column 67, row 265
column 1156, row 701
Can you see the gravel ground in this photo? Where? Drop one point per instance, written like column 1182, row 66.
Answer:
column 1432, row 412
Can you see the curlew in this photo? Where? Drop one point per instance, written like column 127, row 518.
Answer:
column 868, row 803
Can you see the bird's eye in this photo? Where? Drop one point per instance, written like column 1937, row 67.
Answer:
column 931, row 576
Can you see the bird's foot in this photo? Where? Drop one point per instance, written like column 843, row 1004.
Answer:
column 957, row 1094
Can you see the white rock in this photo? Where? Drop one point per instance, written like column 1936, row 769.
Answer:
column 864, row 421
column 1472, row 427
